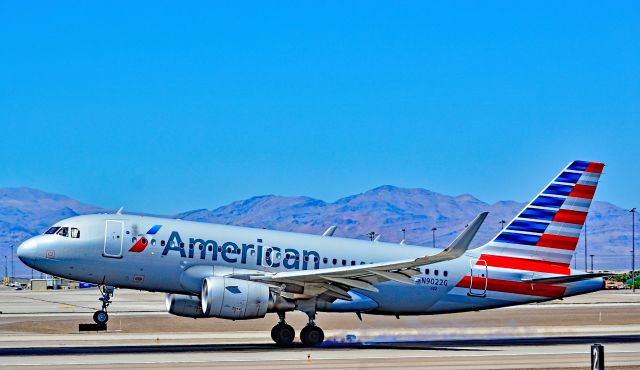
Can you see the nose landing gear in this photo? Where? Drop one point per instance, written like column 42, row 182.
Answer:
column 101, row 317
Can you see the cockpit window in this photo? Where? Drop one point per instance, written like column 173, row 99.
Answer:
column 64, row 231
column 75, row 233
column 52, row 230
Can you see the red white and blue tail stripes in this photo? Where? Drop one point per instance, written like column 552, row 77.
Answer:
column 549, row 227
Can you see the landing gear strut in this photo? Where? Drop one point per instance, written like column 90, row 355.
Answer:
column 282, row 333
column 101, row 317
column 311, row 335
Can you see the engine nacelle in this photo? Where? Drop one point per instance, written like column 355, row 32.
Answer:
column 184, row 305
column 235, row 299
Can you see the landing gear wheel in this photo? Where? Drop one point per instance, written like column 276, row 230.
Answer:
column 101, row 317
column 311, row 336
column 283, row 334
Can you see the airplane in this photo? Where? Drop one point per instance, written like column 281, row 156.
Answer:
column 239, row 273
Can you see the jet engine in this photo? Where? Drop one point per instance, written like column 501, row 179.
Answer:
column 235, row 299
column 184, row 305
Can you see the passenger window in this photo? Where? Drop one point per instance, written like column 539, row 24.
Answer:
column 353, row 263
column 153, row 242
column 335, row 261
column 426, row 271
column 75, row 233
column 325, row 260
column 64, row 231
column 162, row 243
column 435, row 272
column 445, row 273
column 52, row 230
column 344, row 262
column 134, row 239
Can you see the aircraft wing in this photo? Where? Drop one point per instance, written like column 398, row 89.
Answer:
column 338, row 280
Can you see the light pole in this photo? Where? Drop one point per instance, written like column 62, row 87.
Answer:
column 591, row 255
column 633, row 249
column 404, row 234
column 585, row 245
column 12, row 265
column 502, row 222
column 434, row 236
column 6, row 269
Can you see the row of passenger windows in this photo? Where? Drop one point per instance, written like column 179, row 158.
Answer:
column 436, row 272
column 278, row 255
column 64, row 231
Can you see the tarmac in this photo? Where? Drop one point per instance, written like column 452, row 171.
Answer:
column 40, row 330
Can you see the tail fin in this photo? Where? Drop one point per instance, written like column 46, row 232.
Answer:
column 545, row 233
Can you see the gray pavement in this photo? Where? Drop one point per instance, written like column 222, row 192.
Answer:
column 39, row 329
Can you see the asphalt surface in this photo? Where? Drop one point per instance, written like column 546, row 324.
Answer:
column 39, row 330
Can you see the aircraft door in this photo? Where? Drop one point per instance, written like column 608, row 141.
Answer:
column 478, row 285
column 113, row 238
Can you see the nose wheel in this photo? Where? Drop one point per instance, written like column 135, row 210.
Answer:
column 101, row 316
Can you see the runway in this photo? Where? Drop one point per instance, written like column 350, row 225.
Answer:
column 39, row 330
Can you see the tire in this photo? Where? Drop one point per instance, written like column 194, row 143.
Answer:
column 283, row 334
column 100, row 317
column 311, row 336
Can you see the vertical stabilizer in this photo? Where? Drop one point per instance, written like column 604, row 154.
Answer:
column 544, row 235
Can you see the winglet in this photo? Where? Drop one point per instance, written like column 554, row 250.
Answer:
column 462, row 242
column 119, row 212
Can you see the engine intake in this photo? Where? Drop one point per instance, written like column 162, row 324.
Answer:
column 231, row 298
column 184, row 305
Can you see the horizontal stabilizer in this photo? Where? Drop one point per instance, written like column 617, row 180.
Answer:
column 568, row 279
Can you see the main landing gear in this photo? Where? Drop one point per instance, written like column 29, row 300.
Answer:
column 101, row 317
column 283, row 333
column 311, row 335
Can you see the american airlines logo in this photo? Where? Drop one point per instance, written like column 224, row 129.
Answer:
column 142, row 243
column 243, row 253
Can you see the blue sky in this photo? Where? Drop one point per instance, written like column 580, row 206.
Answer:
column 163, row 107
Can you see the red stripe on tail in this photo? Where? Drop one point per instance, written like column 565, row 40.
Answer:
column 583, row 191
column 595, row 167
column 557, row 241
column 569, row 216
column 526, row 264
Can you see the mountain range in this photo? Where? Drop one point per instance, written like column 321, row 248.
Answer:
column 385, row 210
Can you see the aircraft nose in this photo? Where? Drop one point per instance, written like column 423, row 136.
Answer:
column 27, row 251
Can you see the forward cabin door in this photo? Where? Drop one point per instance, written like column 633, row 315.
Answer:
column 478, row 285
column 113, row 238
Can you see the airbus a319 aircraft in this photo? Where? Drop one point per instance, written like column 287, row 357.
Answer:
column 241, row 273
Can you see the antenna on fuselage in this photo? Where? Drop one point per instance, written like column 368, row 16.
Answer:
column 330, row 231
column 119, row 212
